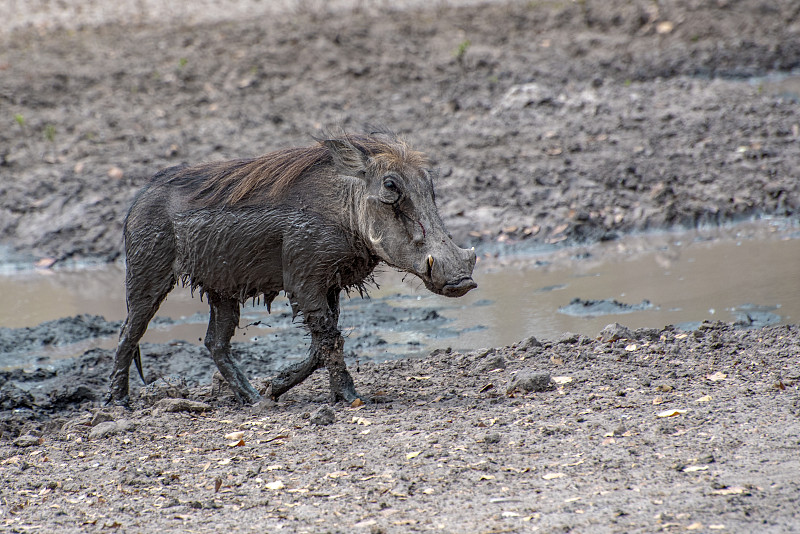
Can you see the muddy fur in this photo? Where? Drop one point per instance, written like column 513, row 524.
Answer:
column 311, row 222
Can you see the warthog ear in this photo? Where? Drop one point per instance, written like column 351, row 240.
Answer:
column 347, row 158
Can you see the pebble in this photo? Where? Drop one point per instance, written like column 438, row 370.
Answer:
column 182, row 405
column 101, row 417
column 109, row 428
column 324, row 415
column 529, row 343
column 490, row 363
column 494, row 437
column 26, row 440
column 614, row 332
column 526, row 381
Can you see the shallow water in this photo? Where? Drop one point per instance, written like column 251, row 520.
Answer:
column 740, row 274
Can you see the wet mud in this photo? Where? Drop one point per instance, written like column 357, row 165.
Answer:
column 577, row 122
column 590, row 308
column 552, row 124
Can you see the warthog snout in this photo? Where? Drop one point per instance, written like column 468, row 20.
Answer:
column 449, row 273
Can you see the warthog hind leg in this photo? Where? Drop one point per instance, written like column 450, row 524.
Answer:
column 221, row 326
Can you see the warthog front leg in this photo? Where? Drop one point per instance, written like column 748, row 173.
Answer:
column 327, row 346
column 342, row 386
column 295, row 374
column 221, row 327
column 327, row 350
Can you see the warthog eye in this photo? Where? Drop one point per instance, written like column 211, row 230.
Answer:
column 391, row 193
column 389, row 184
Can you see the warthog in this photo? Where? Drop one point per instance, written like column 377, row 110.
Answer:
column 310, row 221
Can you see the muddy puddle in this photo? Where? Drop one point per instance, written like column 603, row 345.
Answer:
column 747, row 275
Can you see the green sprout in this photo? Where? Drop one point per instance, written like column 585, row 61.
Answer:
column 50, row 132
column 462, row 49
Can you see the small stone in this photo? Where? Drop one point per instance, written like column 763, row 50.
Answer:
column 27, row 440
column 614, row 332
column 569, row 338
column 166, row 387
column 219, row 386
column 490, row 363
column 527, row 381
column 324, row 415
column 181, row 405
column 528, row 344
column 101, row 417
column 494, row 437
column 109, row 428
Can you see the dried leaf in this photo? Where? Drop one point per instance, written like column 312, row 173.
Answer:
column 706, row 398
column 239, row 443
column 716, row 377
column 632, row 347
column 658, row 400
column 275, row 486
column 224, row 461
column 694, row 468
column 561, row 380
column 412, row 455
column 671, row 413
column 217, row 484
column 551, row 476
column 695, row 526
column 357, row 403
column 234, row 436
column 44, row 263
column 418, row 378
column 664, row 27
column 733, row 490
column 361, row 421
column 487, row 477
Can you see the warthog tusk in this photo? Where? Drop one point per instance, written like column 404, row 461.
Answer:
column 430, row 262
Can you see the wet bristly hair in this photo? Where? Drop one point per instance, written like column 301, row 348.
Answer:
column 239, row 182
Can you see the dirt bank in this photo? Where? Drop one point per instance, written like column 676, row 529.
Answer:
column 658, row 431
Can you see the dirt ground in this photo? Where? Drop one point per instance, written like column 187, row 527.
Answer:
column 551, row 123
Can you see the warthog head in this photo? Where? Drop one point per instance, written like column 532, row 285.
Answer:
column 396, row 213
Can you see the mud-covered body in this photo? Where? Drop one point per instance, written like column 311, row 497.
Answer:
column 311, row 235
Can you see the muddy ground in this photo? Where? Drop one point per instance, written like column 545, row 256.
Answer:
column 551, row 122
